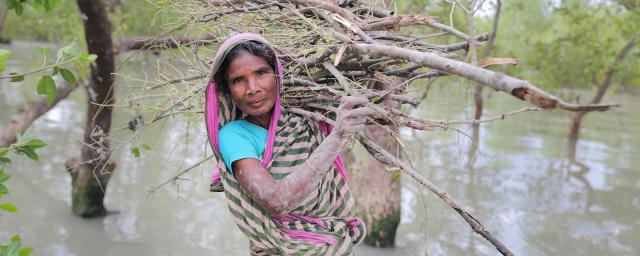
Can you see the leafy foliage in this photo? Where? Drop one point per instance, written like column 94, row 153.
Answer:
column 18, row 5
column 14, row 248
column 560, row 44
column 25, row 145
column 64, row 22
column 567, row 44
column 67, row 55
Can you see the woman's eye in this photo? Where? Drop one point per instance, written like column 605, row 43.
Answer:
column 236, row 81
column 261, row 72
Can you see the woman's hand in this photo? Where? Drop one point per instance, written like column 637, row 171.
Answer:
column 351, row 116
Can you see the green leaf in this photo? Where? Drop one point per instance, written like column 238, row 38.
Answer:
column 22, row 138
column 4, row 189
column 83, row 71
column 48, row 5
column 14, row 247
column 44, row 51
column 5, row 160
column 68, row 76
column 42, row 86
column 26, row 251
column 146, row 147
column 66, row 52
column 135, row 151
column 4, row 177
column 87, row 58
column 16, row 5
column 4, row 55
column 161, row 3
column 56, row 70
column 8, row 207
column 16, row 78
column 51, row 92
column 29, row 153
column 3, row 152
column 47, row 86
column 36, row 143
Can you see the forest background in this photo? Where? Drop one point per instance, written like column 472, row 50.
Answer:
column 568, row 48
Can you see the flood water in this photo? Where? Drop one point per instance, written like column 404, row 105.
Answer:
column 522, row 186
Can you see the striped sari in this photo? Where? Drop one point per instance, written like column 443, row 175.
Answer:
column 323, row 223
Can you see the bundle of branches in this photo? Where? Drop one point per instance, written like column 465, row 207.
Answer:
column 332, row 49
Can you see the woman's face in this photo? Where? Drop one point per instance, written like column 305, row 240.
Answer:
column 252, row 83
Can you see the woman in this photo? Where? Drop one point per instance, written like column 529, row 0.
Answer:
column 284, row 182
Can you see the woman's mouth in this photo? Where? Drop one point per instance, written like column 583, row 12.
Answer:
column 256, row 103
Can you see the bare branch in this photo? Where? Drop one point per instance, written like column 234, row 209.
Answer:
column 498, row 81
column 129, row 44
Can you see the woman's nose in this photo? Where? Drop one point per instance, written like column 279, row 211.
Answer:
column 253, row 87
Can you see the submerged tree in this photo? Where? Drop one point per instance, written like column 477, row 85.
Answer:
column 91, row 172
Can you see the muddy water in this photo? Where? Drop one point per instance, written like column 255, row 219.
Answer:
column 521, row 186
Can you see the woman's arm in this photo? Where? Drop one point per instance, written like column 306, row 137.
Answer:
column 279, row 197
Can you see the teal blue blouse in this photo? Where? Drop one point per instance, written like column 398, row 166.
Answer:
column 240, row 139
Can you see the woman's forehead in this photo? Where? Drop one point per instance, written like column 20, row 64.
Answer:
column 246, row 61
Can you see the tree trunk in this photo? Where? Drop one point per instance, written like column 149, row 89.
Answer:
column 477, row 94
column 574, row 132
column 376, row 190
column 90, row 174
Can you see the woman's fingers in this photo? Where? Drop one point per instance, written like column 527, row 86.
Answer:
column 350, row 120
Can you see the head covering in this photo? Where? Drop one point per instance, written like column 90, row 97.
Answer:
column 323, row 222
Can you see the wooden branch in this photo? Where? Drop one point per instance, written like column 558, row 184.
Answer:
column 452, row 31
column 416, row 41
column 215, row 16
column 23, row 119
column 341, row 79
column 178, row 80
column 498, row 81
column 222, row 2
column 395, row 22
column 153, row 189
column 137, row 43
column 375, row 11
column 446, row 123
column 464, row 45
